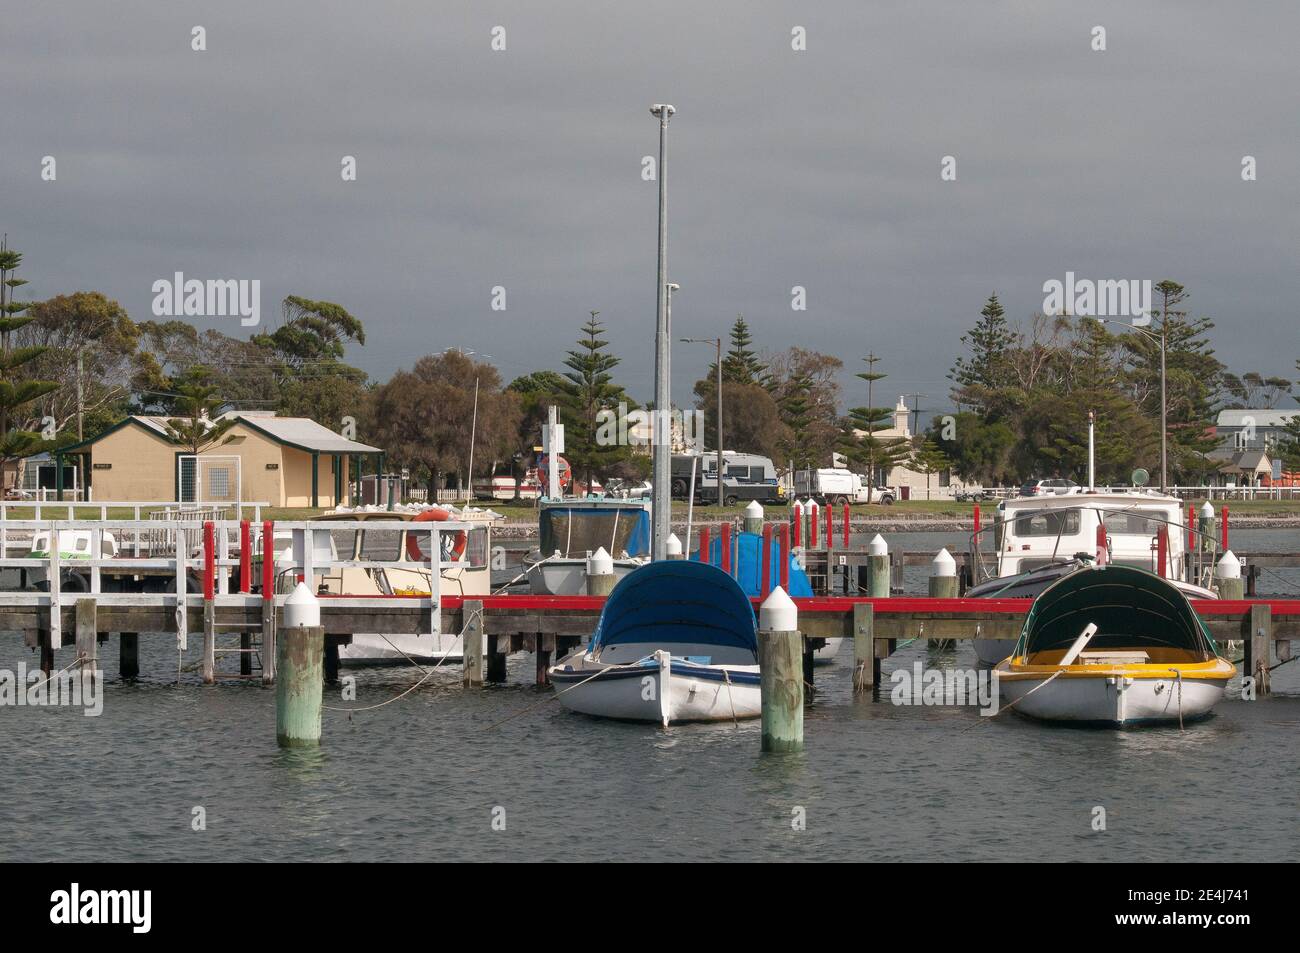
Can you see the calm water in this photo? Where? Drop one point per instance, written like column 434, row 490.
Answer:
column 419, row 779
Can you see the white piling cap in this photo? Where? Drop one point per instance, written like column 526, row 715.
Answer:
column 302, row 608
column 601, row 563
column 754, row 510
column 1207, row 510
column 778, row 613
column 944, row 564
column 673, row 545
column 1229, row 567
column 878, row 546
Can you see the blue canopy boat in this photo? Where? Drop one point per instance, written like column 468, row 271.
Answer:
column 676, row 641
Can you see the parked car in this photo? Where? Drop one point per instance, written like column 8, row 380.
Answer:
column 975, row 496
column 630, row 489
column 1056, row 486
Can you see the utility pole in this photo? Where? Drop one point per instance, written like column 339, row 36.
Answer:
column 871, row 377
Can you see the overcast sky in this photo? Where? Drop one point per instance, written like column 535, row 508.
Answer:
column 522, row 168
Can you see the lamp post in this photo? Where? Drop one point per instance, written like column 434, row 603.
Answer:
column 661, row 511
column 717, row 342
column 1164, row 426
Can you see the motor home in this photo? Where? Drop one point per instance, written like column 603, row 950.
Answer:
column 746, row 476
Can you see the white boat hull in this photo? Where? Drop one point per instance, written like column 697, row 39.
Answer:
column 568, row 577
column 826, row 654
column 1112, row 699
column 402, row 650
column 658, row 692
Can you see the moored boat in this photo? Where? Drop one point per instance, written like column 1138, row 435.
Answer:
column 570, row 530
column 676, row 642
column 1113, row 645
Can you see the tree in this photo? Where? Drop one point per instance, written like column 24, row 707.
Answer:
column 741, row 365
column 860, row 441
column 980, row 449
column 1253, row 390
column 987, row 369
column 424, row 417
column 928, row 458
column 90, row 349
column 17, row 440
column 195, row 425
column 536, row 393
column 588, row 389
column 805, row 386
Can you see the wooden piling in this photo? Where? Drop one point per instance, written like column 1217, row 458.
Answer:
column 209, row 642
column 497, row 647
column 299, row 688
column 781, row 677
column 128, row 650
column 864, row 646
column 331, row 673
column 1257, row 646
column 878, row 569
column 943, row 576
column 544, row 651
column 473, row 642
column 87, row 644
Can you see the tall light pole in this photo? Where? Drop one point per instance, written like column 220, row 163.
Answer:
column 1162, row 338
column 661, row 507
column 718, row 343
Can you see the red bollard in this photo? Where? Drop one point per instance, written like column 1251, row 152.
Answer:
column 830, row 527
column 1162, row 550
column 209, row 560
column 766, row 586
column 784, row 573
column 724, row 543
column 1191, row 529
column 704, row 545
column 798, row 528
column 1223, row 529
column 976, row 534
column 1103, row 550
column 812, row 530
column 846, row 526
column 245, row 556
column 268, row 561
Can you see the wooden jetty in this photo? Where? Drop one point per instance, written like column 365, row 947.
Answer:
column 546, row 626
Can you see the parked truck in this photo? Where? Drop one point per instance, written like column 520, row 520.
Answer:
column 838, row 486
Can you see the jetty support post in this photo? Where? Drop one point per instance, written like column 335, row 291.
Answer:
column 865, row 664
column 765, row 577
column 268, row 604
column 878, row 568
column 846, row 525
column 796, row 513
column 783, row 572
column 600, row 573
column 1228, row 574
column 300, row 652
column 943, row 576
column 87, row 643
column 544, row 652
column 754, row 517
column 704, row 545
column 724, row 544
column 1257, row 646
column 673, row 547
column 780, row 662
column 472, row 641
column 128, row 650
column 209, row 607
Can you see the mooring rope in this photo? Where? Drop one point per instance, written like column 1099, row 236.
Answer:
column 1179, row 673
column 551, row 698
column 427, row 674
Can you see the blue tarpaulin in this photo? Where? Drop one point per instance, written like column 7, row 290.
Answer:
column 747, row 565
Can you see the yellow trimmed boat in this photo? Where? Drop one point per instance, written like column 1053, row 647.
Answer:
column 1113, row 645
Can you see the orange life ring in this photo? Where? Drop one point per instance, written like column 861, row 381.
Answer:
column 565, row 473
column 452, row 554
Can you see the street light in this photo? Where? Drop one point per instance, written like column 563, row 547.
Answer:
column 1164, row 427
column 661, row 512
column 718, row 343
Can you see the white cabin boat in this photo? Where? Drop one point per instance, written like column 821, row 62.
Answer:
column 1038, row 540
column 570, row 530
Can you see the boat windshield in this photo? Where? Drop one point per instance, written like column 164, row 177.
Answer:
column 1047, row 523
column 578, row 530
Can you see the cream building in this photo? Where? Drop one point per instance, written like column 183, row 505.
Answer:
column 282, row 461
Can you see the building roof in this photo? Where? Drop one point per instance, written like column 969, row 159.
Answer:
column 301, row 433
column 304, row 434
column 1241, row 461
column 1259, row 418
